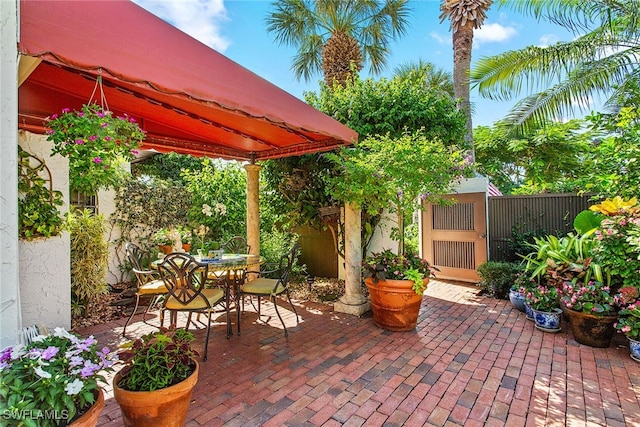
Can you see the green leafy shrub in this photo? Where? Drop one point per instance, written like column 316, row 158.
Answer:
column 38, row 215
column 89, row 259
column 498, row 277
column 157, row 360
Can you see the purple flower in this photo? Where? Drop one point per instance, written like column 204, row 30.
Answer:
column 66, row 110
column 93, row 138
column 79, row 141
column 97, row 160
column 134, row 152
column 50, row 352
column 107, row 138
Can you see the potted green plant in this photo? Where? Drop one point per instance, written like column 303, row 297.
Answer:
column 96, row 142
column 591, row 310
column 543, row 300
column 53, row 380
column 396, row 284
column 164, row 240
column 154, row 386
column 629, row 318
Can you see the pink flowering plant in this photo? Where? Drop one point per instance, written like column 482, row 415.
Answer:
column 542, row 298
column 617, row 247
column 52, row 380
column 96, row 143
column 388, row 265
column 629, row 320
column 592, row 297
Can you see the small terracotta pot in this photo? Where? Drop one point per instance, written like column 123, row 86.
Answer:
column 165, row 407
column 395, row 304
column 90, row 418
column 186, row 247
column 166, row 249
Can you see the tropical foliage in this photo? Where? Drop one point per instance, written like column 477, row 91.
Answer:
column 337, row 37
column 602, row 59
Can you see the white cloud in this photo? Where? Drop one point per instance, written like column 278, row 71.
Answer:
column 200, row 19
column 443, row 40
column 494, row 33
column 547, row 40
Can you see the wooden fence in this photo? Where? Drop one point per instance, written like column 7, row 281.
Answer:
column 510, row 216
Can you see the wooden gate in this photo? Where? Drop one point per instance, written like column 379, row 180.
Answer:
column 454, row 238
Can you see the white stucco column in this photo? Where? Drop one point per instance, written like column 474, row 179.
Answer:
column 253, row 207
column 352, row 302
column 10, row 316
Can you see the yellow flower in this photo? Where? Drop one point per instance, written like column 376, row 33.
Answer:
column 616, row 206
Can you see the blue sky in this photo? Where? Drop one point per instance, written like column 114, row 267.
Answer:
column 236, row 28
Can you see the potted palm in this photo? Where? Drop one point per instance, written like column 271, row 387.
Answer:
column 396, row 284
column 154, row 386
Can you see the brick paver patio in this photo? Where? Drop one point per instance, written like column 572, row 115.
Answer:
column 471, row 361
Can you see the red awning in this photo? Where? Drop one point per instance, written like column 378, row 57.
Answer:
column 188, row 97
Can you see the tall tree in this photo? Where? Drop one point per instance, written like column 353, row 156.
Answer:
column 336, row 37
column 565, row 77
column 465, row 16
column 435, row 79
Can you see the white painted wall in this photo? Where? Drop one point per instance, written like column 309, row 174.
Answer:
column 45, row 264
column 10, row 320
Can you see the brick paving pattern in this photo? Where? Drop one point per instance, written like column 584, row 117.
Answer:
column 472, row 361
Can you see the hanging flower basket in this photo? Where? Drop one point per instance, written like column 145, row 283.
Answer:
column 96, row 143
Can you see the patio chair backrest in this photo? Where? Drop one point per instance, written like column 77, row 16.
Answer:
column 184, row 277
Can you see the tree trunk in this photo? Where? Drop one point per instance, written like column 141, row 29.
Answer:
column 462, row 44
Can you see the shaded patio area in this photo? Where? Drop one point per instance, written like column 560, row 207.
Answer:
column 471, row 361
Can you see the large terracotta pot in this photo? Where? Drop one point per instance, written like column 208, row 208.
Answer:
column 591, row 329
column 90, row 418
column 166, row 407
column 395, row 304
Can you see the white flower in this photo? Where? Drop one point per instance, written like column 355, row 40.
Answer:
column 42, row 373
column 74, row 387
column 221, row 209
column 206, row 209
column 62, row 333
column 17, row 352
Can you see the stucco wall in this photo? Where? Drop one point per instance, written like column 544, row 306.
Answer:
column 44, row 264
column 10, row 322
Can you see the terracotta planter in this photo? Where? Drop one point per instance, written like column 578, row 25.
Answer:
column 166, row 407
column 186, row 247
column 90, row 418
column 166, row 249
column 591, row 329
column 395, row 304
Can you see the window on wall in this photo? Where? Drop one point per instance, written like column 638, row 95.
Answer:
column 81, row 200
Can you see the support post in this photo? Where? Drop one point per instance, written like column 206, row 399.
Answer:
column 352, row 302
column 253, row 207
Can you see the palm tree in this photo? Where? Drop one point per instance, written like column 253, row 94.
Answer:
column 337, row 36
column 566, row 76
column 435, row 78
column 465, row 16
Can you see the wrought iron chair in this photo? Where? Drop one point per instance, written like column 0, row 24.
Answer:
column 148, row 284
column 272, row 284
column 185, row 278
column 236, row 245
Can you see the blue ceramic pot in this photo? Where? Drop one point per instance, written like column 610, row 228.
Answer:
column 517, row 299
column 529, row 311
column 634, row 346
column 548, row 321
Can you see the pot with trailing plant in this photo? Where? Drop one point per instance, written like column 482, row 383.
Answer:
column 154, row 386
column 629, row 318
column 396, row 284
column 53, row 381
column 97, row 142
column 591, row 310
column 543, row 300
